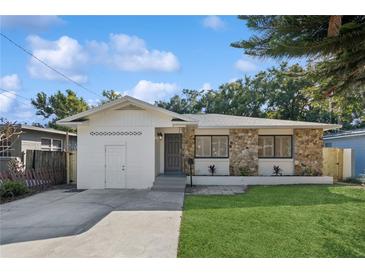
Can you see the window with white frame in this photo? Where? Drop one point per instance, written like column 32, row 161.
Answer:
column 277, row 146
column 56, row 145
column 49, row 144
column 212, row 146
column 5, row 148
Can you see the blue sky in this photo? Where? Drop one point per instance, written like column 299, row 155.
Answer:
column 149, row 57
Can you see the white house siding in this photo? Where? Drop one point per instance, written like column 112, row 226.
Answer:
column 266, row 165
column 140, row 149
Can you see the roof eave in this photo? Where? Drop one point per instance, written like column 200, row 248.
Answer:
column 324, row 127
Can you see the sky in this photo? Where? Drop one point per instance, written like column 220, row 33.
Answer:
column 148, row 57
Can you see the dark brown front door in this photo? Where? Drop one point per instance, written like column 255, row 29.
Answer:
column 172, row 152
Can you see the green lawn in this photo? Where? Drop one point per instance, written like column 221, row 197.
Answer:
column 276, row 221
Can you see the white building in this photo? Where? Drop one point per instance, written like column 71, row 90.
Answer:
column 127, row 143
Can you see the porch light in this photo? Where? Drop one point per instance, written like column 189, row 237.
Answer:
column 159, row 135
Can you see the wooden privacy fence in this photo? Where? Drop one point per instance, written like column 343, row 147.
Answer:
column 38, row 159
column 338, row 163
column 36, row 178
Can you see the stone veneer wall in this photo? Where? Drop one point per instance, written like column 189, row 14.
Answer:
column 308, row 151
column 243, row 151
column 188, row 140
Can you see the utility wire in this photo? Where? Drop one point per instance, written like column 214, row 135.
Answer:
column 13, row 92
column 14, row 98
column 48, row 66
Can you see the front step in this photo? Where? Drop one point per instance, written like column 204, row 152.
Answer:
column 170, row 183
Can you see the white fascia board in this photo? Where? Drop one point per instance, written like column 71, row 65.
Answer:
column 324, row 127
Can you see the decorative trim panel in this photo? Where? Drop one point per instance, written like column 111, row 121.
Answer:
column 116, row 133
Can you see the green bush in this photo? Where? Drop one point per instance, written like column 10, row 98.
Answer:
column 12, row 189
column 245, row 171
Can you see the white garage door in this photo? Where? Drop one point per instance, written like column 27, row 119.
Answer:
column 115, row 167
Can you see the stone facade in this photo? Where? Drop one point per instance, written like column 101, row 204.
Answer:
column 243, row 151
column 188, row 143
column 308, row 151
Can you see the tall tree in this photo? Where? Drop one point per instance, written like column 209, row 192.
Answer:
column 110, row 95
column 59, row 105
column 335, row 44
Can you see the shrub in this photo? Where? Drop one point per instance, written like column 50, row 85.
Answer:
column 277, row 171
column 212, row 169
column 245, row 171
column 12, row 189
column 353, row 181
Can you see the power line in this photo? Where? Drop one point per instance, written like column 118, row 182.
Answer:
column 16, row 94
column 48, row 66
column 14, row 98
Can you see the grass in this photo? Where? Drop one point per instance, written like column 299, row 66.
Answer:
column 276, row 221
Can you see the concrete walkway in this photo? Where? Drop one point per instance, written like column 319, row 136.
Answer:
column 93, row 223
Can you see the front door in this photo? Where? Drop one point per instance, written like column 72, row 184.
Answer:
column 173, row 161
column 115, row 167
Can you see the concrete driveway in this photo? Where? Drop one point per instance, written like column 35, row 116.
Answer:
column 92, row 223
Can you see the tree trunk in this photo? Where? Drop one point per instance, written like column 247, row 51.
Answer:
column 334, row 25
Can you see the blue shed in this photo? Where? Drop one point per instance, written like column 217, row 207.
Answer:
column 354, row 139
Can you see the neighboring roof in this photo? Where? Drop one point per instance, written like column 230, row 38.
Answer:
column 125, row 99
column 49, row 130
column 345, row 134
column 230, row 121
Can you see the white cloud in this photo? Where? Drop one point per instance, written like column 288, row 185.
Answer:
column 206, row 86
column 213, row 22
column 151, row 92
column 30, row 22
column 7, row 98
column 129, row 53
column 245, row 65
column 65, row 54
column 6, row 101
column 10, row 82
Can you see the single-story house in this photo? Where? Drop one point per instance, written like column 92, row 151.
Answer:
column 354, row 139
column 127, row 143
column 34, row 138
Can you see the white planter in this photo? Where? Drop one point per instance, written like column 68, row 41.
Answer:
column 259, row 180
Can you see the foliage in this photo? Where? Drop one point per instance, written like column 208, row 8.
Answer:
column 10, row 189
column 308, row 171
column 110, row 95
column 353, row 181
column 335, row 44
column 275, row 222
column 277, row 171
column 212, row 169
column 9, row 133
column 16, row 167
column 245, row 171
column 59, row 106
column 282, row 92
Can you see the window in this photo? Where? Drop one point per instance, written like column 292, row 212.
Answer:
column 5, row 148
column 48, row 144
column 56, row 145
column 211, row 146
column 278, row 146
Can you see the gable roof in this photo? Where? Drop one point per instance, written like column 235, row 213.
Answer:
column 125, row 99
column 231, row 121
column 201, row 120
